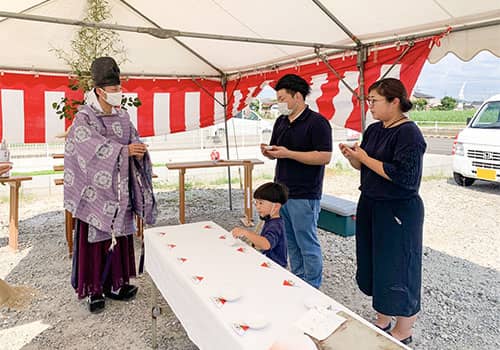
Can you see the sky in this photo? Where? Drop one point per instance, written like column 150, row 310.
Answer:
column 481, row 76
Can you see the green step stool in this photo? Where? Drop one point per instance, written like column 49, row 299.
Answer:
column 337, row 215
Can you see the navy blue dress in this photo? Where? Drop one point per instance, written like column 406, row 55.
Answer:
column 390, row 218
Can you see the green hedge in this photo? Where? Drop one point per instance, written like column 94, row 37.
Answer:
column 442, row 116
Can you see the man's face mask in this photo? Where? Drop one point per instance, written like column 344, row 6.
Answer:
column 283, row 108
column 113, row 98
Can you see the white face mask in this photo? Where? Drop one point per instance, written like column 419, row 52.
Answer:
column 283, row 108
column 113, row 98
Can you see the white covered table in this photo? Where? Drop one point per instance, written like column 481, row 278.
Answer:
column 192, row 263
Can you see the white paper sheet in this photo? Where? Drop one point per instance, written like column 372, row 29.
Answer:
column 320, row 322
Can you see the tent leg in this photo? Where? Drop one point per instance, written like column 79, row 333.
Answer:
column 362, row 54
column 224, row 88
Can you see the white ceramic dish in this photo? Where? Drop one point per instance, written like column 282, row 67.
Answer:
column 229, row 293
column 256, row 321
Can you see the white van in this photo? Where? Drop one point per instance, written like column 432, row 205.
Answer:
column 476, row 150
column 245, row 122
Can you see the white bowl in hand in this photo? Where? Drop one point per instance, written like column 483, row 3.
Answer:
column 350, row 144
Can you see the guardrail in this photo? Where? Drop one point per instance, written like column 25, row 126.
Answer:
column 439, row 128
column 203, row 139
column 440, row 124
column 29, row 150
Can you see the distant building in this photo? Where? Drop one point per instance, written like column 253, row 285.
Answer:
column 472, row 104
column 431, row 100
column 476, row 104
column 418, row 94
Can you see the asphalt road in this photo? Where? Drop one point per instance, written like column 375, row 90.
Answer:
column 436, row 145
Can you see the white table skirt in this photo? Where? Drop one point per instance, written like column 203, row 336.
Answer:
column 222, row 267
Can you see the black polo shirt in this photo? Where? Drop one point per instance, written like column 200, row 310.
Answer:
column 309, row 132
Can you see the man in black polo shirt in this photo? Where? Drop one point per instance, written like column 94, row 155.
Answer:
column 302, row 144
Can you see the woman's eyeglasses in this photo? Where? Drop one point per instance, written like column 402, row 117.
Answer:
column 371, row 101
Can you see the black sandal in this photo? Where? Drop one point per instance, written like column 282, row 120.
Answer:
column 405, row 341
column 96, row 303
column 127, row 292
column 386, row 328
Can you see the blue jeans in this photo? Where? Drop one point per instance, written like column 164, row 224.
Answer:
column 301, row 218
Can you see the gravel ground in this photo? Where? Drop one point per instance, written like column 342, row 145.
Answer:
column 461, row 278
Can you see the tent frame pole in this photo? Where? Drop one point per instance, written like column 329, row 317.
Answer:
column 274, row 66
column 361, row 59
column 431, row 33
column 163, row 33
column 33, row 7
column 403, row 54
column 196, row 54
column 131, row 75
column 207, row 92
column 337, row 74
column 391, row 41
column 171, row 34
column 338, row 23
column 226, row 134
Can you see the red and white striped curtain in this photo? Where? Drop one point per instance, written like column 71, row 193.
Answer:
column 328, row 95
column 176, row 105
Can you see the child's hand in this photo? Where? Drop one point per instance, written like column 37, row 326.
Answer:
column 238, row 232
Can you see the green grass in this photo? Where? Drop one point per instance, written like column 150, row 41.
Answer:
column 460, row 117
column 52, row 172
column 35, row 173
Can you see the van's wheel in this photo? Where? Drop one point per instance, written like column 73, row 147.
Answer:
column 462, row 180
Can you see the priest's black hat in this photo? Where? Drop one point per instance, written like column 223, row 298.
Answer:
column 105, row 72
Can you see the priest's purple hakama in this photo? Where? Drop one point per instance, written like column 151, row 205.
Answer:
column 104, row 189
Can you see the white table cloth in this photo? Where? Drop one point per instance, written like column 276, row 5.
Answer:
column 192, row 263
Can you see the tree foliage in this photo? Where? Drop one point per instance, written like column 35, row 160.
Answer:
column 88, row 44
column 255, row 105
column 447, row 104
column 420, row 104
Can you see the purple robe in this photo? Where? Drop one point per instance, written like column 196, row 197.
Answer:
column 103, row 186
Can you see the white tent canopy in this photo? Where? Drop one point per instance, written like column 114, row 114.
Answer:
column 467, row 44
column 291, row 30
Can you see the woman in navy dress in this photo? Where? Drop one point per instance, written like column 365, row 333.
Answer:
column 390, row 212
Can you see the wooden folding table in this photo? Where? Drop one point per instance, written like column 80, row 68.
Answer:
column 15, row 183
column 247, row 164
